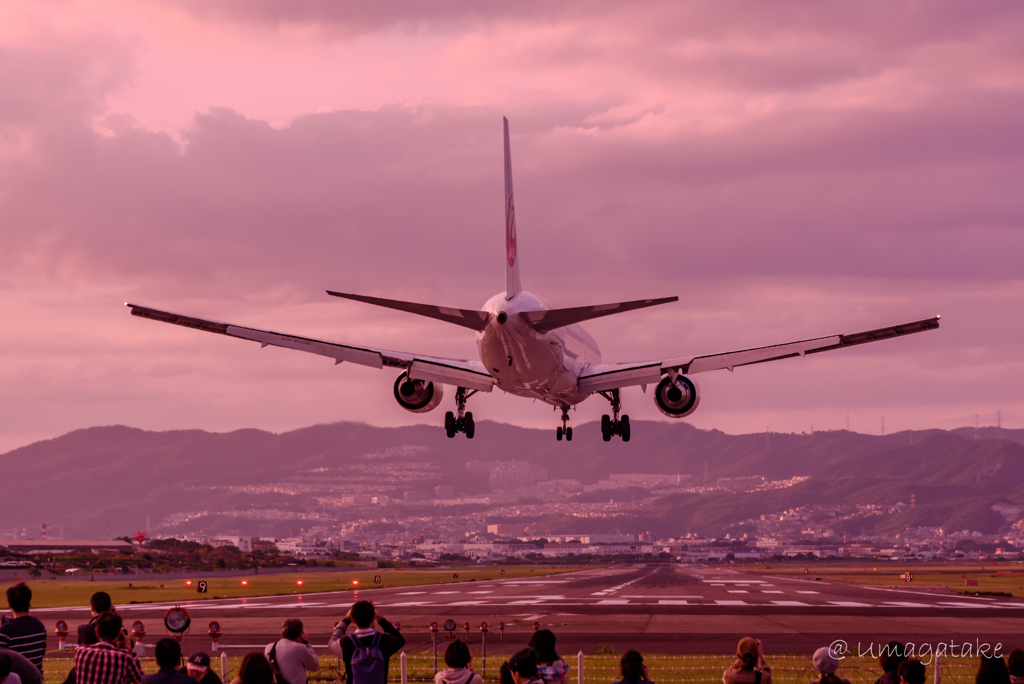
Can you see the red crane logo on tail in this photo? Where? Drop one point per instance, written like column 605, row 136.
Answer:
column 510, row 232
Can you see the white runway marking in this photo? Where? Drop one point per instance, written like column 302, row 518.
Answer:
column 789, row 603
column 850, row 604
column 613, row 602
column 906, row 604
column 731, row 603
column 672, row 602
column 737, row 591
column 773, row 592
column 410, row 593
column 807, row 592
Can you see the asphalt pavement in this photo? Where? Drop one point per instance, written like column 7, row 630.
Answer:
column 673, row 609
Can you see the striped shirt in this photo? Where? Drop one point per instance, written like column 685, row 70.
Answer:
column 105, row 663
column 27, row 636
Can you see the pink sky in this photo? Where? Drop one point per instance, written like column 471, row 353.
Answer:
column 789, row 170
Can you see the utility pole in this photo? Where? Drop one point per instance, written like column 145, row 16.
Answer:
column 883, row 425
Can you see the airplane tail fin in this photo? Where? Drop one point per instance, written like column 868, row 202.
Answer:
column 513, row 285
column 546, row 320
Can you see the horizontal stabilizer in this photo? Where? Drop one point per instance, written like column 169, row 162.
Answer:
column 544, row 321
column 467, row 318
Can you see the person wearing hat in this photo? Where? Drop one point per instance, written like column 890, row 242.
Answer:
column 523, row 666
column 826, row 664
column 750, row 666
column 198, row 665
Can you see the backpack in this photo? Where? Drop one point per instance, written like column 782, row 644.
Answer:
column 278, row 678
column 367, row 664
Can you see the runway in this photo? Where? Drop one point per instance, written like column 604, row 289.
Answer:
column 662, row 608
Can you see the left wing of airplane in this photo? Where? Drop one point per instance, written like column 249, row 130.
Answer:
column 600, row 377
column 458, row 372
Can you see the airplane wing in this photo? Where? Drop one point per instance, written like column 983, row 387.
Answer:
column 600, row 377
column 468, row 374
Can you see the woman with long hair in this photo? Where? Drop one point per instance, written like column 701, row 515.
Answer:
column 255, row 669
column 550, row 666
column 633, row 669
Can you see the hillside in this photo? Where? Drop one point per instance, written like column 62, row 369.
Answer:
column 116, row 476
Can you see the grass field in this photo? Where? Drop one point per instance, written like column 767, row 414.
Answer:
column 602, row 669
column 154, row 588
column 1006, row 577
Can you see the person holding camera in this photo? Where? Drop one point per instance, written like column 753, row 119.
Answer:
column 750, row 666
column 292, row 656
column 111, row 661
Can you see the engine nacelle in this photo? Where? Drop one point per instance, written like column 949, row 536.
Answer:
column 677, row 398
column 417, row 396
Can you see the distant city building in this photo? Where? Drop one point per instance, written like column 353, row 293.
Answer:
column 506, row 529
column 243, row 544
column 65, row 545
column 263, row 545
column 648, row 480
column 444, row 492
column 412, row 495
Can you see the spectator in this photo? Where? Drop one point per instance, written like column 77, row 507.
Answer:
column 633, row 668
column 992, row 670
column 523, row 666
column 911, row 671
column 255, row 669
column 505, row 674
column 366, row 640
column 168, row 658
column 1015, row 664
column 198, row 666
column 111, row 661
column 23, row 667
column 889, row 660
column 750, row 666
column 6, row 675
column 459, row 661
column 292, row 656
column 99, row 604
column 826, row 664
column 550, row 666
column 24, row 633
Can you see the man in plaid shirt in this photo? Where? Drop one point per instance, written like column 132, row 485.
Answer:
column 111, row 661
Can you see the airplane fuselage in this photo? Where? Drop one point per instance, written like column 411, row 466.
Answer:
column 544, row 366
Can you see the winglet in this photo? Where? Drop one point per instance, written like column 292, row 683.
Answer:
column 513, row 285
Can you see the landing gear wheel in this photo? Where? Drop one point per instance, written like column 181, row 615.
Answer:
column 568, row 434
column 613, row 425
column 558, row 433
column 469, row 427
column 449, row 424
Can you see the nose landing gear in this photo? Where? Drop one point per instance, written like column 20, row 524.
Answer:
column 614, row 425
column 463, row 420
column 565, row 429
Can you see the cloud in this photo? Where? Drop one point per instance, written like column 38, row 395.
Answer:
column 787, row 172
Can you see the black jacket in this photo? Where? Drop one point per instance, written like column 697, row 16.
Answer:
column 391, row 642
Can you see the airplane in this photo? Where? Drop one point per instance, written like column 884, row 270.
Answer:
column 530, row 349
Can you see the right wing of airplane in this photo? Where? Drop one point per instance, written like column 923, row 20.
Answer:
column 458, row 372
column 601, row 377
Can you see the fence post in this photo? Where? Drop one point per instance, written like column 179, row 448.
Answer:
column 223, row 665
column 405, row 670
column 579, row 668
column 938, row 668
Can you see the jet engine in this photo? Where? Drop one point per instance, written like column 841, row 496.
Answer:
column 677, row 397
column 417, row 396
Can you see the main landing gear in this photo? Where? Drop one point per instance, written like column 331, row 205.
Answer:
column 463, row 420
column 565, row 429
column 614, row 425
